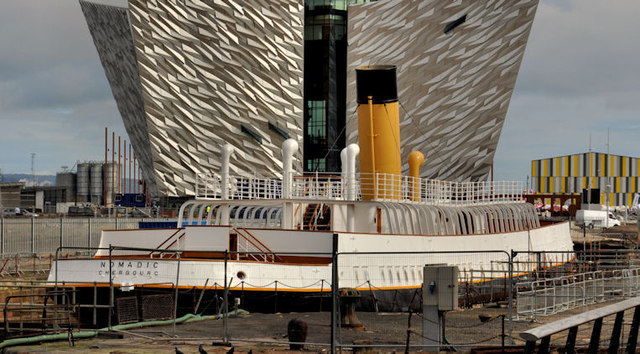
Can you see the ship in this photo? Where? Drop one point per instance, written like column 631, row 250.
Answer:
column 282, row 244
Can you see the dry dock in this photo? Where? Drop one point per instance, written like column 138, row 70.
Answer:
column 267, row 333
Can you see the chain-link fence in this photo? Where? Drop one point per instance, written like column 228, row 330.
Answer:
column 386, row 288
column 45, row 235
column 382, row 286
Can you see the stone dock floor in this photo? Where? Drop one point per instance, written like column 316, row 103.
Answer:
column 267, row 333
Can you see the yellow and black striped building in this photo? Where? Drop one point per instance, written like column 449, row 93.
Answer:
column 573, row 173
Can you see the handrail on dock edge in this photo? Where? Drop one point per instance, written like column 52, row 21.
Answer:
column 544, row 332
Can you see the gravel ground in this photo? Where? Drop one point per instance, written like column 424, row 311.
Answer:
column 268, row 333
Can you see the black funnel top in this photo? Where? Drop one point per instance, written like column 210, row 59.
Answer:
column 378, row 81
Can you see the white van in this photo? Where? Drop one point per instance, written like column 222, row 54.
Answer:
column 8, row 212
column 595, row 218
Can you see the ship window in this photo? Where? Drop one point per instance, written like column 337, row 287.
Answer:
column 251, row 133
column 451, row 25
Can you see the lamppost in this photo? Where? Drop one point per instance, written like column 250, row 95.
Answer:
column 608, row 188
column 1, row 191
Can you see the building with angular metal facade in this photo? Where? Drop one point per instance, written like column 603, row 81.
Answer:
column 189, row 76
column 457, row 67
column 619, row 176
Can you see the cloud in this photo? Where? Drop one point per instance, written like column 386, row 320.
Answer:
column 56, row 136
column 590, row 47
column 539, row 128
column 579, row 77
column 48, row 60
column 60, row 86
column 54, row 97
column 39, row 35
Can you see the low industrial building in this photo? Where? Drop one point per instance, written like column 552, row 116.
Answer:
column 10, row 194
column 42, row 198
column 616, row 177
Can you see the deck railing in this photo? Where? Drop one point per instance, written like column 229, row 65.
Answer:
column 384, row 187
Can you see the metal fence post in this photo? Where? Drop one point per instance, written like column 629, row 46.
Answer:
column 117, row 223
column 633, row 331
column 111, row 294
column 334, row 292
column 175, row 301
column 511, row 257
column 33, row 236
column 2, row 236
column 61, row 234
column 89, row 244
column 225, row 294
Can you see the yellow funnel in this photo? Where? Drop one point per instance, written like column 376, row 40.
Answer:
column 416, row 159
column 379, row 132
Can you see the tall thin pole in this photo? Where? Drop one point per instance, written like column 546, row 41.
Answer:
column 106, row 162
column 589, row 178
column 113, row 163
column 589, row 173
column 33, row 170
column 135, row 171
column 491, row 171
column 124, row 174
column 130, row 191
column 119, row 164
column 608, row 185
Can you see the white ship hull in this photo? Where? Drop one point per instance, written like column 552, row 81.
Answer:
column 379, row 261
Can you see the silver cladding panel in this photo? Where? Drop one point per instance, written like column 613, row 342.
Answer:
column 95, row 186
column 207, row 69
column 110, row 29
column 454, row 89
column 83, row 169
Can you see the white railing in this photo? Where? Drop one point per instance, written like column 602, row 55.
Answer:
column 207, row 186
column 318, row 187
column 381, row 187
column 550, row 296
column 429, row 191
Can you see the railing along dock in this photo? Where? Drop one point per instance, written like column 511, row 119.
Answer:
column 572, row 323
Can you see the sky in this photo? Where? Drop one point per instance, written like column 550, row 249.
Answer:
column 580, row 76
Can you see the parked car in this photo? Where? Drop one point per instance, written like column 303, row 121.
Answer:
column 80, row 211
column 8, row 212
column 25, row 212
